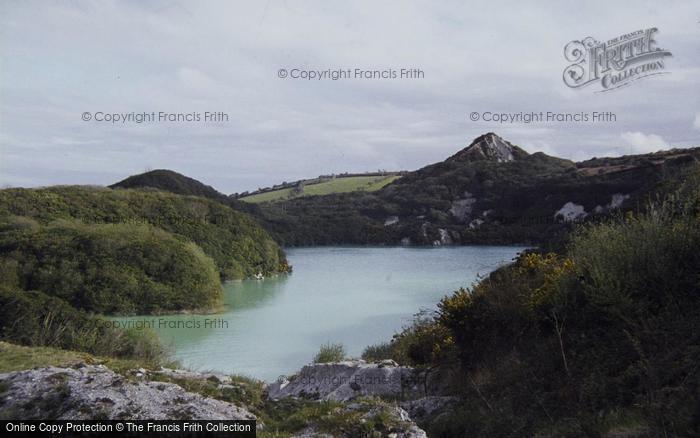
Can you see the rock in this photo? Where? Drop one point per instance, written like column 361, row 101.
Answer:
column 476, row 223
column 394, row 419
column 445, row 238
column 343, row 381
column 185, row 374
column 424, row 229
column 571, row 212
column 489, row 147
column 387, row 363
column 462, row 208
column 92, row 392
column 425, row 408
column 616, row 202
column 391, row 220
column 311, row 432
column 400, row 417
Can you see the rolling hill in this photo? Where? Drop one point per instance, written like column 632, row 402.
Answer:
column 126, row 251
column 322, row 186
column 490, row 192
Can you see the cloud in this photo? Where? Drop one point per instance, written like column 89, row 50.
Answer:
column 696, row 123
column 64, row 58
column 641, row 143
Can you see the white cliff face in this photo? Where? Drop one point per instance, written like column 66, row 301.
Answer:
column 489, row 147
column 445, row 238
column 571, row 212
column 476, row 223
column 616, row 202
column 495, row 147
column 462, row 208
column 391, row 220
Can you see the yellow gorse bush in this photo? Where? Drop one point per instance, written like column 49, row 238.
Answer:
column 549, row 269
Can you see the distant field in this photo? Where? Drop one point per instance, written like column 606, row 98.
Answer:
column 337, row 185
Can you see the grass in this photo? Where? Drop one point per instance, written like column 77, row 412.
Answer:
column 242, row 390
column 337, row 185
column 16, row 358
column 370, row 417
column 330, row 353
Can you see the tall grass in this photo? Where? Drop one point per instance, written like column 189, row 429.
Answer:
column 330, row 353
column 35, row 319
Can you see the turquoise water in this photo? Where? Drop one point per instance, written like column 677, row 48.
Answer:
column 354, row 295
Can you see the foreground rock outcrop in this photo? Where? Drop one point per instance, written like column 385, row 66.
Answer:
column 394, row 420
column 383, row 399
column 343, row 381
column 400, row 393
column 94, row 391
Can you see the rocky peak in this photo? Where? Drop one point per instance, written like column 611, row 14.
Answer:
column 489, row 147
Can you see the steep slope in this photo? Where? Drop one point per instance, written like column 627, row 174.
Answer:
column 490, row 192
column 489, row 147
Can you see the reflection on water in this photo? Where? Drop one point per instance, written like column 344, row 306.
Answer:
column 253, row 293
column 354, row 295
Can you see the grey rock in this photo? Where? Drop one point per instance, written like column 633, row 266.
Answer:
column 400, row 423
column 425, row 408
column 462, row 208
column 186, row 374
column 91, row 392
column 391, row 220
column 343, row 381
column 571, row 212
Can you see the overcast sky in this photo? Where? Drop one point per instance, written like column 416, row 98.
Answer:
column 61, row 59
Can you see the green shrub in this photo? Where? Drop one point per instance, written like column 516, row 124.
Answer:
column 378, row 352
column 602, row 336
column 36, row 319
column 237, row 244
column 422, row 343
column 110, row 269
column 330, row 353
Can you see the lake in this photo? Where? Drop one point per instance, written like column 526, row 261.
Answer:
column 357, row 296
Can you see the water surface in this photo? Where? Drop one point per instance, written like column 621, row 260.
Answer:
column 354, row 295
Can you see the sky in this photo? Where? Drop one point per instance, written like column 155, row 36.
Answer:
column 62, row 59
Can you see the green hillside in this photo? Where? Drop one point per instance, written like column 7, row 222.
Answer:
column 335, row 185
column 169, row 181
column 71, row 253
column 491, row 192
column 108, row 269
column 237, row 244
